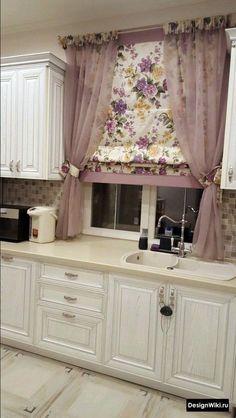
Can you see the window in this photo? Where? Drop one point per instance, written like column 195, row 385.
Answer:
column 121, row 211
column 116, row 206
column 170, row 201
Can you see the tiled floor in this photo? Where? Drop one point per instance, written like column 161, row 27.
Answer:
column 34, row 386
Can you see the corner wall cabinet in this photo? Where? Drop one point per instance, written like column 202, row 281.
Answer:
column 175, row 338
column 228, row 180
column 31, row 116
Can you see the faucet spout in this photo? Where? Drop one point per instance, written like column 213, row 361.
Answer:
column 166, row 217
column 181, row 248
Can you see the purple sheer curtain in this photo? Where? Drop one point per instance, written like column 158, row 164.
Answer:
column 196, row 68
column 88, row 84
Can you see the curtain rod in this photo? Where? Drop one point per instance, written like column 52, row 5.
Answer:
column 138, row 29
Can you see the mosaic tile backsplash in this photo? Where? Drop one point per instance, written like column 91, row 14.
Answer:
column 32, row 192
column 48, row 193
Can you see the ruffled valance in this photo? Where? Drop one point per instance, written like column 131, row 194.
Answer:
column 190, row 26
column 88, row 39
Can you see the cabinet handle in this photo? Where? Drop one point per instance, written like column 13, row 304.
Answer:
column 71, row 276
column 11, row 166
column 18, row 166
column 70, row 299
column 161, row 295
column 172, row 297
column 230, row 174
column 7, row 258
column 67, row 315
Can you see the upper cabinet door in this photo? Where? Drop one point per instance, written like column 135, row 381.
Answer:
column 55, row 128
column 8, row 123
column 31, row 116
column 32, row 105
column 228, row 180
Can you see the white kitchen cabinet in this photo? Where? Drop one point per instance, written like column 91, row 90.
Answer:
column 70, row 311
column 17, row 299
column 69, row 332
column 65, row 311
column 8, row 121
column 134, row 340
column 228, row 180
column 199, row 346
column 32, row 112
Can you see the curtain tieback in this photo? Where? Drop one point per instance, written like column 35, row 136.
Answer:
column 70, row 168
column 213, row 177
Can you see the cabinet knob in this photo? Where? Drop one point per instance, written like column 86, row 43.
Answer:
column 18, row 169
column 11, row 166
column 230, row 173
column 166, row 310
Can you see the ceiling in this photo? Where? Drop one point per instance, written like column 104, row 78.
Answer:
column 24, row 15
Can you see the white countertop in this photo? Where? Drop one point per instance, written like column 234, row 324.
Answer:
column 102, row 254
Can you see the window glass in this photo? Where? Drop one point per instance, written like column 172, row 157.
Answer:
column 170, row 202
column 116, row 206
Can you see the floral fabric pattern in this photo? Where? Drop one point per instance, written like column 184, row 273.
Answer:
column 87, row 39
column 190, row 26
column 139, row 128
column 161, row 169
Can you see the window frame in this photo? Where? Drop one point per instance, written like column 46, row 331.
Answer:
column 148, row 217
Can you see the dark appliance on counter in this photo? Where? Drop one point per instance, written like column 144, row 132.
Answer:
column 14, row 223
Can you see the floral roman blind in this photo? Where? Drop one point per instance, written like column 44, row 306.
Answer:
column 139, row 135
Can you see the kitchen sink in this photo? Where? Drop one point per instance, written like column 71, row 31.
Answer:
column 151, row 259
column 210, row 270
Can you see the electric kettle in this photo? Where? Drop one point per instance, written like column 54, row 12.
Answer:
column 42, row 224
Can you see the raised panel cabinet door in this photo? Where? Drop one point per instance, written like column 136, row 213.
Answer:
column 17, row 284
column 134, row 338
column 70, row 333
column 32, row 129
column 55, row 128
column 8, row 123
column 228, row 180
column 200, row 352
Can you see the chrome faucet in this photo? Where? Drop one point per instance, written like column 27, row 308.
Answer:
column 180, row 249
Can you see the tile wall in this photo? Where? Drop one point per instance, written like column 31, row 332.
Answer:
column 42, row 192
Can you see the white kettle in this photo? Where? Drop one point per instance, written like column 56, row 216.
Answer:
column 42, row 224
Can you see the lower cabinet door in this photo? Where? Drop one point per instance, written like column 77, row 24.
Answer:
column 17, row 298
column 200, row 347
column 69, row 333
column 134, row 338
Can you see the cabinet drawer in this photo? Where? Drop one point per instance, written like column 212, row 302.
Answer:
column 71, row 296
column 77, row 276
column 68, row 333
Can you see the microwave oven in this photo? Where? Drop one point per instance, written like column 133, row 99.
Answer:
column 14, row 223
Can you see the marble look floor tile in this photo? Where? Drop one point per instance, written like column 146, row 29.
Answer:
column 6, row 352
column 93, row 395
column 31, row 383
column 38, row 387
